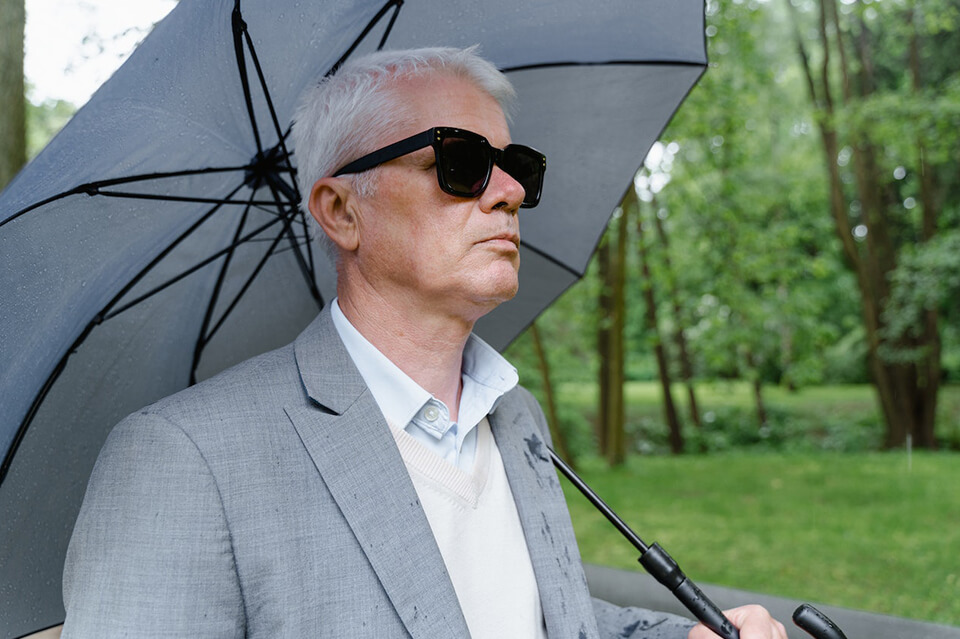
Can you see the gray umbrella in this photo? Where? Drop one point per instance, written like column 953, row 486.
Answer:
column 156, row 240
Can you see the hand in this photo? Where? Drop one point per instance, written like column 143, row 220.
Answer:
column 754, row 622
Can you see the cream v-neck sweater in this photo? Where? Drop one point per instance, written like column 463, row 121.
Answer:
column 474, row 520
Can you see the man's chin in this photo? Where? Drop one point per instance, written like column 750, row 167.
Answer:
column 501, row 295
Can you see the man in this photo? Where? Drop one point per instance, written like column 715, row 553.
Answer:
column 383, row 476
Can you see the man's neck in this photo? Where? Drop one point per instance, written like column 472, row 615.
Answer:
column 427, row 346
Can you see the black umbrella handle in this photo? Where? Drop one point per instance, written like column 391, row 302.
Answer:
column 657, row 562
column 664, row 569
column 816, row 623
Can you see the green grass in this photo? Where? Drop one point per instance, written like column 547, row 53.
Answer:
column 868, row 531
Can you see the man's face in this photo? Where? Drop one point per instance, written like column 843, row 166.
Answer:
column 421, row 246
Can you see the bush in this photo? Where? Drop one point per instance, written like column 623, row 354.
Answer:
column 734, row 428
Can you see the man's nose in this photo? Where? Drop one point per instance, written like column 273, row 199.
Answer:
column 502, row 192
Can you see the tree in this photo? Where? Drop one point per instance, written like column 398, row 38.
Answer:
column 863, row 66
column 613, row 312
column 679, row 337
column 605, row 314
column 631, row 206
column 13, row 140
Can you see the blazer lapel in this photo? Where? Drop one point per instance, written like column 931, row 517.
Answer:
column 564, row 595
column 351, row 445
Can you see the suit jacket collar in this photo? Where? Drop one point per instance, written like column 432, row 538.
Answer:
column 344, row 425
column 328, row 374
column 564, row 594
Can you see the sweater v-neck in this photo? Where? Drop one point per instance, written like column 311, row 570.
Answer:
column 459, row 485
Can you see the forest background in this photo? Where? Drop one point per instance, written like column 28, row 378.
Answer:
column 776, row 303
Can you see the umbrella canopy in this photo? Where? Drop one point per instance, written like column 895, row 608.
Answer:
column 156, row 240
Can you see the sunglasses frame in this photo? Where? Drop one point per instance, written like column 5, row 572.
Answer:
column 434, row 137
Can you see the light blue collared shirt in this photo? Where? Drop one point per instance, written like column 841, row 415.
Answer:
column 485, row 374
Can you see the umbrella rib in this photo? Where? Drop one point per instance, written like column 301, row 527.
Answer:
column 215, row 295
column 269, row 100
column 160, row 175
column 300, row 239
column 363, row 34
column 305, row 269
column 630, row 63
column 196, row 267
column 244, row 288
column 41, row 395
column 240, row 27
column 300, row 242
column 186, row 198
column 309, row 248
column 93, row 188
column 550, row 258
column 393, row 19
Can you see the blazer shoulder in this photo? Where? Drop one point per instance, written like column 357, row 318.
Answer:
column 248, row 392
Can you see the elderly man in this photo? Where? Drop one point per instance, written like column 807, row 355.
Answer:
column 384, row 475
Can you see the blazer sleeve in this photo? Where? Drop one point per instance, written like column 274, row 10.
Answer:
column 151, row 553
column 615, row 622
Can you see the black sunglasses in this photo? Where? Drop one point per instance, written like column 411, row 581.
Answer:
column 465, row 161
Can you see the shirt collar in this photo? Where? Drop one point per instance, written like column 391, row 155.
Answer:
column 487, row 376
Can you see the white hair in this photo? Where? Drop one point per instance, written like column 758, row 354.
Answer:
column 352, row 112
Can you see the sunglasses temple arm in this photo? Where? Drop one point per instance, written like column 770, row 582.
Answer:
column 657, row 562
column 389, row 152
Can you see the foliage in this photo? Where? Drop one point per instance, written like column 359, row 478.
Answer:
column 44, row 121
column 757, row 260
column 927, row 278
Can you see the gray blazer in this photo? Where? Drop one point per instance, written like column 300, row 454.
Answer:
column 271, row 501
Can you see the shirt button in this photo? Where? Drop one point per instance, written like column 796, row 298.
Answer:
column 431, row 413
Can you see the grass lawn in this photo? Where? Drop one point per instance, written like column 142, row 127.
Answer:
column 868, row 530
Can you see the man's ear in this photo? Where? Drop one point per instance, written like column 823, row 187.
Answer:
column 332, row 203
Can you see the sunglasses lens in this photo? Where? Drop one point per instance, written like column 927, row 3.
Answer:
column 465, row 161
column 525, row 166
column 464, row 165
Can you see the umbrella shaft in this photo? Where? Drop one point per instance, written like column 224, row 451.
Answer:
column 598, row 503
column 657, row 562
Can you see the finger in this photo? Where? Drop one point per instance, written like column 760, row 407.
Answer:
column 753, row 621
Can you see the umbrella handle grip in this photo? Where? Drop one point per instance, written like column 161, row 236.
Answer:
column 664, row 569
column 816, row 624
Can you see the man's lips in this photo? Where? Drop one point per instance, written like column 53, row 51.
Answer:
column 512, row 238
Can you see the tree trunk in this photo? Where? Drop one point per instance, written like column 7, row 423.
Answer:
column 559, row 439
column 758, row 398
column 13, row 136
column 604, row 319
column 683, row 354
column 616, row 440
column 757, row 390
column 929, row 367
column 674, row 431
